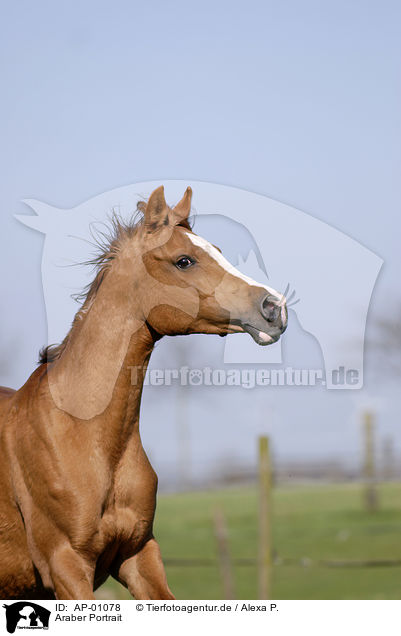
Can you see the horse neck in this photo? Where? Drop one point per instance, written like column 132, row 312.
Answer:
column 95, row 377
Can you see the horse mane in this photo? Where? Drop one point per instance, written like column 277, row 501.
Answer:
column 108, row 244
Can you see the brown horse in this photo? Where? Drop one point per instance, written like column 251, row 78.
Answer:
column 77, row 492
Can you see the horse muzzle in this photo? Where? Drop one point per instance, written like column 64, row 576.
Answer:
column 266, row 325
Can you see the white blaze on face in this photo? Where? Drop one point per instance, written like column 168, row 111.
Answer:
column 230, row 269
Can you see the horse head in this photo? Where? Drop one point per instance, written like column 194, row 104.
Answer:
column 189, row 287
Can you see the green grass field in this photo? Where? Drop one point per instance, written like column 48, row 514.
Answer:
column 313, row 522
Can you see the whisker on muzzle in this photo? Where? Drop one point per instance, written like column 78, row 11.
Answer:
column 290, row 298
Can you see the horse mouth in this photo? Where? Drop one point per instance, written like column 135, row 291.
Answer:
column 261, row 337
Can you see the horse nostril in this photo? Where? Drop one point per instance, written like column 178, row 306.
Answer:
column 270, row 310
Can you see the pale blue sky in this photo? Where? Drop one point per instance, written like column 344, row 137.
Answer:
column 299, row 101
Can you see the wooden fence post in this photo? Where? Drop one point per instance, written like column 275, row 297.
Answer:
column 388, row 461
column 226, row 573
column 265, row 530
column 369, row 472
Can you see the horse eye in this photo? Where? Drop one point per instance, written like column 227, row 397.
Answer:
column 184, row 262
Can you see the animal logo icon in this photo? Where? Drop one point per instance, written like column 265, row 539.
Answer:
column 195, row 377
column 22, row 615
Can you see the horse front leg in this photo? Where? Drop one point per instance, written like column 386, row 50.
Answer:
column 143, row 573
column 70, row 575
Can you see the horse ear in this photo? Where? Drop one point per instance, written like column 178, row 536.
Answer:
column 183, row 207
column 155, row 207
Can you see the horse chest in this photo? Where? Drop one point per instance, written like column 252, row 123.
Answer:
column 122, row 527
column 129, row 516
